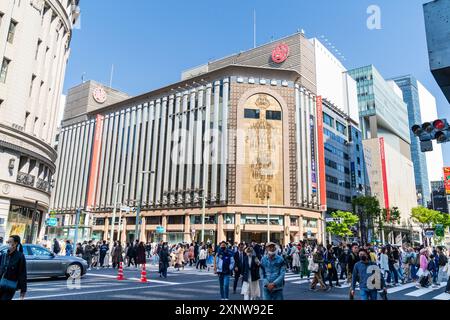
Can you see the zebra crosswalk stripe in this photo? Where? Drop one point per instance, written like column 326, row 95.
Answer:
column 442, row 296
column 423, row 291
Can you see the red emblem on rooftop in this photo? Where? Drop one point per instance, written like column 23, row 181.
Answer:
column 280, row 53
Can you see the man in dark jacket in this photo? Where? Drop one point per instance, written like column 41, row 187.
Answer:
column 163, row 260
column 352, row 259
column 103, row 250
column 369, row 277
column 13, row 269
column 239, row 260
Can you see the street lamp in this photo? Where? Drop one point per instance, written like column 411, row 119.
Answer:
column 138, row 209
column 203, row 197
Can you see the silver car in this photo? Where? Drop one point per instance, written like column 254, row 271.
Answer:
column 43, row 263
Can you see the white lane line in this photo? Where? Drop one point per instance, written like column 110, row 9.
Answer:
column 156, row 281
column 442, row 296
column 402, row 287
column 104, row 291
column 422, row 291
column 300, row 282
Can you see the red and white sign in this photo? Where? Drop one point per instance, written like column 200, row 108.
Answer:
column 384, row 176
column 280, row 53
column 321, row 155
column 447, row 180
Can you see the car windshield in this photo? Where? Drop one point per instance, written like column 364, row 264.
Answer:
column 39, row 251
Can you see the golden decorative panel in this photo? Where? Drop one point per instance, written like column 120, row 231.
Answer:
column 262, row 161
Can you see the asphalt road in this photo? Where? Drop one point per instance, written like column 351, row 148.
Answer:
column 190, row 284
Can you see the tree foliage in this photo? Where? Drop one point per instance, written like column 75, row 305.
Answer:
column 342, row 229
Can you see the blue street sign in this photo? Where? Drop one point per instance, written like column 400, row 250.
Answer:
column 52, row 222
column 160, row 229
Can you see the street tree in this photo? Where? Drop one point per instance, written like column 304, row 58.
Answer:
column 343, row 228
column 368, row 209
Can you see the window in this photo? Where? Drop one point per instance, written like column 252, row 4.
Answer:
column 273, row 115
column 359, row 173
column 4, row 70
column 340, row 127
column 33, row 77
column 1, row 102
column 228, row 218
column 328, row 120
column 37, row 49
column 251, row 114
column 1, row 18
column 294, row 221
column 12, row 31
column 175, row 219
column 357, row 147
column 358, row 160
column 38, row 251
column 153, row 220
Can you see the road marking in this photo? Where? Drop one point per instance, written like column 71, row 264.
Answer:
column 400, row 288
column 442, row 296
column 422, row 291
column 104, row 291
column 156, row 281
column 300, row 282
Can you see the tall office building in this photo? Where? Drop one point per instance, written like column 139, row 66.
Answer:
column 437, row 24
column 421, row 108
column 34, row 45
column 344, row 159
column 244, row 133
column 438, row 197
column 385, row 128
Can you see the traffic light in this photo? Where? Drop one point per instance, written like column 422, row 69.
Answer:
column 438, row 130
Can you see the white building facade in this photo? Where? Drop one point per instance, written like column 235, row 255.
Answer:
column 34, row 45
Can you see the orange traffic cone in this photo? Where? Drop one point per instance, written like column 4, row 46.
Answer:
column 143, row 274
column 120, row 275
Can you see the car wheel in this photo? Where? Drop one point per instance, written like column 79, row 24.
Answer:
column 74, row 271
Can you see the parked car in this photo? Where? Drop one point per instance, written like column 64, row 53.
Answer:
column 42, row 263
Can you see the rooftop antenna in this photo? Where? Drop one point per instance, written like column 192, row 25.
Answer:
column 254, row 28
column 111, row 76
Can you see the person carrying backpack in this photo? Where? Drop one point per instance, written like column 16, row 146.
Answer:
column 13, row 270
column 223, row 264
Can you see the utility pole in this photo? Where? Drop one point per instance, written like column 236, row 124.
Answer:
column 268, row 217
column 77, row 222
column 113, row 221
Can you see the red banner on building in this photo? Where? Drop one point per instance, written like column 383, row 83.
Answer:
column 447, row 180
column 321, row 156
column 384, row 175
column 96, row 149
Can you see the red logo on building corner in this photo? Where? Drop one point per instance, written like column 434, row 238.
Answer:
column 280, row 53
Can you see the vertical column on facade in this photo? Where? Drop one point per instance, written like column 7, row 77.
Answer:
column 130, row 155
column 298, row 111
column 83, row 168
column 70, row 167
column 124, row 229
column 143, row 235
column 154, row 152
column 62, row 149
column 237, row 227
column 125, row 143
column 161, row 164
column 106, row 189
column 182, row 148
column 300, row 227
column 77, row 159
column 190, row 146
column 143, row 121
column 101, row 174
column 112, row 162
column 308, row 147
column 187, row 228
column 286, row 231
column 119, row 154
column 224, row 144
column 148, row 154
column 303, row 145
column 135, row 173
column 167, row 162
column 106, row 228
column 87, row 161
column 176, row 148
column 198, row 143
column 215, row 135
column 207, row 141
column 220, row 234
column 164, row 225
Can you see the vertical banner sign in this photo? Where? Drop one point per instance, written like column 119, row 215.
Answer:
column 447, row 180
column 384, row 175
column 95, row 158
column 321, row 155
column 313, row 155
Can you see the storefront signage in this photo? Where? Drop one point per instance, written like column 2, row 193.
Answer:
column 447, row 180
column 160, row 229
column 313, row 157
column 52, row 222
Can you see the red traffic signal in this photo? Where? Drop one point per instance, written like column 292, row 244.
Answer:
column 440, row 124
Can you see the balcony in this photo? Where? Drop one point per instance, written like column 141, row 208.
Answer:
column 43, row 185
column 25, row 179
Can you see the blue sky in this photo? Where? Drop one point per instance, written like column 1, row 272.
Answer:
column 151, row 42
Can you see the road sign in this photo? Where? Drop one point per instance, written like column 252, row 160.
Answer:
column 440, row 230
column 125, row 208
column 160, row 229
column 309, row 233
column 52, row 222
column 429, row 233
column 337, row 220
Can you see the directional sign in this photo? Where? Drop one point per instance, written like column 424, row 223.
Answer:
column 429, row 233
column 125, row 208
column 52, row 222
column 160, row 229
column 337, row 220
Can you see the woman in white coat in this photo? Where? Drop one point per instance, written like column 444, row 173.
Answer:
column 250, row 276
column 295, row 259
column 384, row 263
